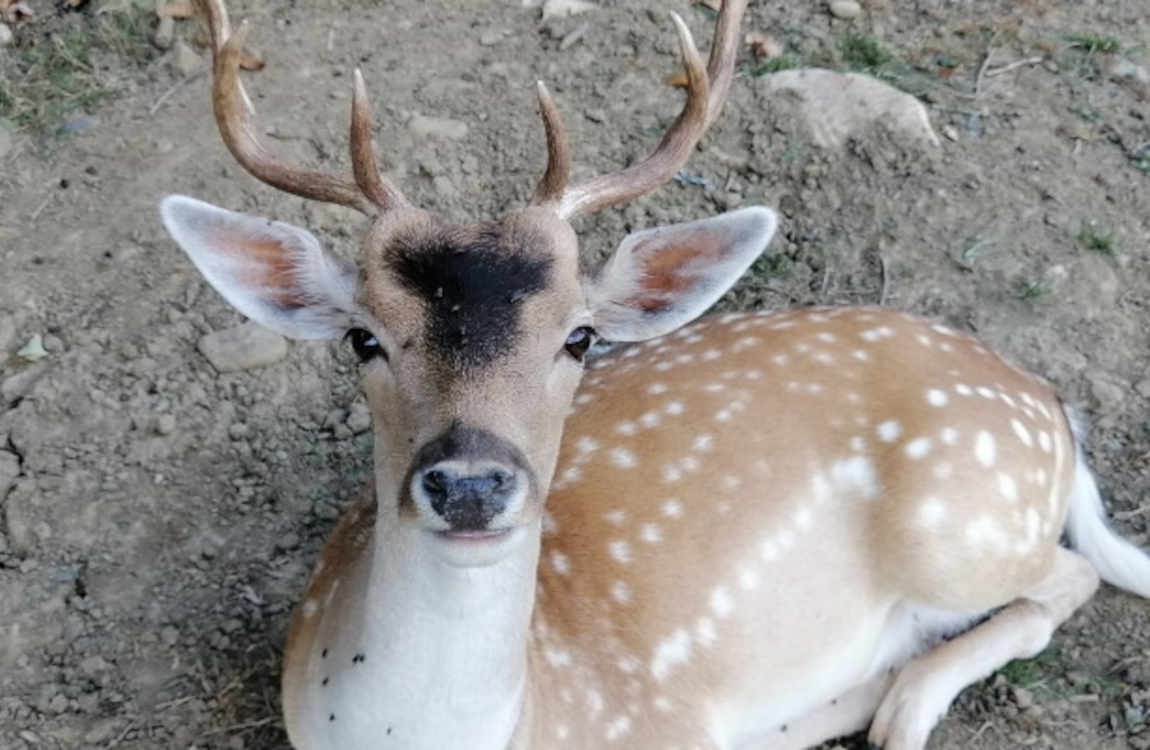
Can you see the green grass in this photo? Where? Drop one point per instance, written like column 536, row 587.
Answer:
column 71, row 64
column 1093, row 240
column 1030, row 672
column 774, row 65
column 1026, row 289
column 1095, row 42
column 862, row 52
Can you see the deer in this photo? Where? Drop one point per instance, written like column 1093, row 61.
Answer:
column 742, row 531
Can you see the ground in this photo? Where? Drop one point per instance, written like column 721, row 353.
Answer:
column 163, row 516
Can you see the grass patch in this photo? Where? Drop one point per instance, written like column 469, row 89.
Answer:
column 774, row 65
column 863, row 52
column 1094, row 240
column 1029, row 672
column 74, row 64
column 1025, row 289
column 1095, row 42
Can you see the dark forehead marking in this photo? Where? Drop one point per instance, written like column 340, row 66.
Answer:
column 472, row 286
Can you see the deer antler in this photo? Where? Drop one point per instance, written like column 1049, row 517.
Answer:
column 706, row 93
column 239, row 132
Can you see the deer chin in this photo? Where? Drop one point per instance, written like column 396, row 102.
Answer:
column 476, row 549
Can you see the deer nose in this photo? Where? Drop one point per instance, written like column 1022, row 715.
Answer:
column 468, row 498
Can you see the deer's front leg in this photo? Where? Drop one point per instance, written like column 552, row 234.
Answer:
column 925, row 686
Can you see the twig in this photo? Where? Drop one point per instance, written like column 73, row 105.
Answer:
column 40, row 208
column 123, row 734
column 1126, row 515
column 246, row 725
column 1014, row 65
column 985, row 63
column 179, row 85
column 885, row 280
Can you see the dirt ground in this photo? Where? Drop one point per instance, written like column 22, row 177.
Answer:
column 162, row 517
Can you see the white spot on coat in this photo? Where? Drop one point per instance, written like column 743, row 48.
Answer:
column 984, row 448
column 721, row 603
column 889, row 430
column 918, row 448
column 670, row 652
column 623, row 458
column 619, row 550
column 935, row 397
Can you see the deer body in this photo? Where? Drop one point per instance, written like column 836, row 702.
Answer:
column 729, row 549
column 752, row 531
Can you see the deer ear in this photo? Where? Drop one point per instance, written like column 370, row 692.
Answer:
column 661, row 279
column 274, row 273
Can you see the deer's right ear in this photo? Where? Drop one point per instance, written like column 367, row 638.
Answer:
column 274, row 273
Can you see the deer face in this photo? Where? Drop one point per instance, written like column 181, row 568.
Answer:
column 471, row 337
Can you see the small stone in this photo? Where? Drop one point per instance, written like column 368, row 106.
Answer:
column 595, row 115
column 845, row 9
column 564, row 8
column 288, row 541
column 1143, row 388
column 102, row 732
column 359, row 420
column 572, row 37
column 169, row 636
column 165, row 424
column 242, row 348
column 1023, row 698
column 490, row 38
column 77, row 125
column 950, row 132
column 238, row 430
column 165, row 33
column 437, row 127
column 1111, row 396
column 93, row 665
column 184, row 60
column 5, row 35
column 34, row 350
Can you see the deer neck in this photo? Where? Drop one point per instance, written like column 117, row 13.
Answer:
column 451, row 642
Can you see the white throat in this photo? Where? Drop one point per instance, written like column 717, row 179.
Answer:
column 435, row 655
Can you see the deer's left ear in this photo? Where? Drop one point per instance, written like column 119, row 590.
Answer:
column 661, row 279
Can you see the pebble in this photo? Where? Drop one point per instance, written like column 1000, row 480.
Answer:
column 845, row 9
column 169, row 636
column 359, row 420
column 950, row 132
column 5, row 35
column 437, row 127
column 242, row 348
column 1143, row 387
column 1111, row 396
column 165, row 424
column 573, row 36
column 288, row 541
column 564, row 8
column 595, row 115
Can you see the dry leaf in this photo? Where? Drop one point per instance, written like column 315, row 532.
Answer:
column 679, row 80
column 763, row 46
column 177, row 9
column 248, row 62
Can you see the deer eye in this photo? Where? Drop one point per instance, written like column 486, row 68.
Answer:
column 365, row 344
column 579, row 341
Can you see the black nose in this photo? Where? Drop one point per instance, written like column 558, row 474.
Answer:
column 468, row 501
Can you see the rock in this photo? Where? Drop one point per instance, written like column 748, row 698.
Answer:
column 564, row 8
column 845, row 9
column 838, row 106
column 490, row 38
column 34, row 350
column 5, row 35
column 1023, row 697
column 1143, row 388
column 359, row 420
column 165, row 33
column 184, row 60
column 76, row 125
column 1110, row 395
column 288, row 541
column 243, row 347
column 595, row 115
column 436, row 127
column 9, row 470
column 169, row 636
column 950, row 132
column 165, row 424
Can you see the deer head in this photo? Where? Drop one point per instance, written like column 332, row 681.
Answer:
column 471, row 337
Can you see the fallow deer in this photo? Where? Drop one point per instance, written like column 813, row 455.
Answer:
column 761, row 526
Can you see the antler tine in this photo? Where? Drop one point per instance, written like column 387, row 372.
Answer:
column 706, row 93
column 380, row 191
column 554, row 181
column 239, row 132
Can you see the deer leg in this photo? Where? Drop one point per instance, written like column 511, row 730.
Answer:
column 925, row 686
